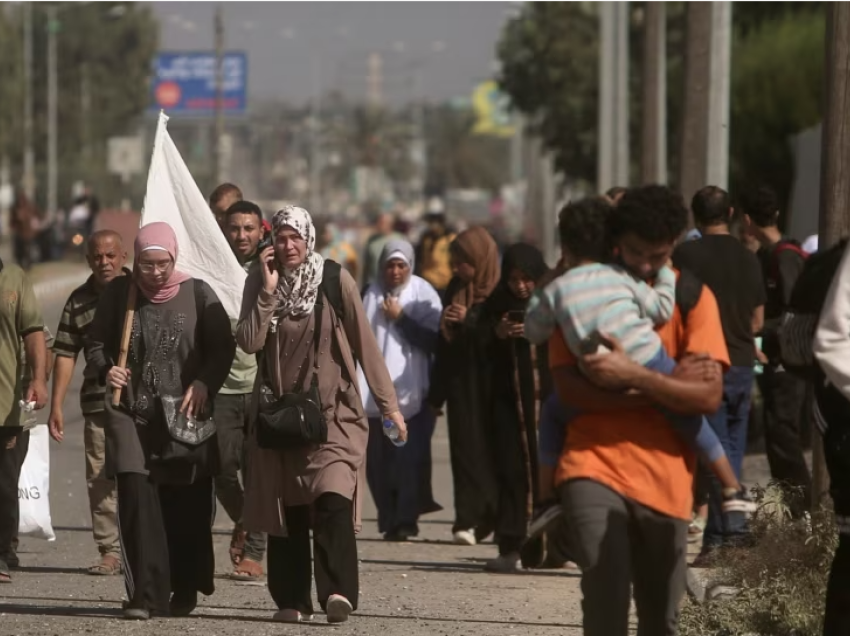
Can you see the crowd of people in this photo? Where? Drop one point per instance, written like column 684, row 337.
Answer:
column 579, row 399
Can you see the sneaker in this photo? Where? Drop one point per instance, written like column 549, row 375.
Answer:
column 291, row 616
column 338, row 609
column 503, row 564
column 543, row 519
column 464, row 537
column 740, row 503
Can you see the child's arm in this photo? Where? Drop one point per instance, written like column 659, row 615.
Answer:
column 658, row 300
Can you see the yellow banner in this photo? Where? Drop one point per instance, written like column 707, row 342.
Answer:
column 492, row 115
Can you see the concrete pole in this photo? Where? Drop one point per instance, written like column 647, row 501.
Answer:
column 607, row 90
column 219, row 95
column 52, row 128
column 621, row 109
column 717, row 161
column 29, row 153
column 694, row 138
column 654, row 98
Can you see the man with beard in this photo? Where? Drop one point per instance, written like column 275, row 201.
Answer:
column 243, row 228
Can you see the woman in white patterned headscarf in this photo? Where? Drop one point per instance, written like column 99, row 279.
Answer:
column 291, row 313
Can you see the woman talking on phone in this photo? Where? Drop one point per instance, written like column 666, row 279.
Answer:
column 160, row 441
column 308, row 437
column 520, row 379
column 460, row 381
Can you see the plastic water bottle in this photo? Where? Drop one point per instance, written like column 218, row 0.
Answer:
column 392, row 432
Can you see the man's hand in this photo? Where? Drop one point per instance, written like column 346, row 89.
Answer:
column 195, row 399
column 56, row 424
column 614, row 371
column 698, row 367
column 392, row 308
column 37, row 392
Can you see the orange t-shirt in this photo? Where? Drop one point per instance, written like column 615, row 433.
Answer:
column 637, row 453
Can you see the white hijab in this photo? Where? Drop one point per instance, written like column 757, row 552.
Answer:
column 298, row 289
column 409, row 366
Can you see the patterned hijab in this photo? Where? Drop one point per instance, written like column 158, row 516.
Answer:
column 298, row 288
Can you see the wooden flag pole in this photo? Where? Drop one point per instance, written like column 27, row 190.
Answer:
column 125, row 338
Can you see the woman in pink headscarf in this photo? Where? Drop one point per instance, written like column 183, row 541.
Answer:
column 161, row 443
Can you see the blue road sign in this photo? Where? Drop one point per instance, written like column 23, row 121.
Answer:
column 184, row 83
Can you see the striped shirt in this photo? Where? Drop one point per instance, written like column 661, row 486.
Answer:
column 70, row 338
column 604, row 298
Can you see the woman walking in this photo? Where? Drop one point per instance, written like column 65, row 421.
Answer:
column 460, row 380
column 306, row 316
column 161, row 441
column 520, row 380
column 404, row 313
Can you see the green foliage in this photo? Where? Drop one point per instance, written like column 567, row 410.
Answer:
column 777, row 92
column 104, row 46
column 781, row 580
column 549, row 60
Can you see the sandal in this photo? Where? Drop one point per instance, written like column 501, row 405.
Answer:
column 237, row 544
column 109, row 565
column 247, row 570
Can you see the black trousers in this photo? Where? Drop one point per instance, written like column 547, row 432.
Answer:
column 784, row 398
column 512, row 475
column 836, row 446
column 166, row 540
column 11, row 461
column 290, row 572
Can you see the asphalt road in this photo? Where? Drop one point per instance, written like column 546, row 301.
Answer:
column 427, row 586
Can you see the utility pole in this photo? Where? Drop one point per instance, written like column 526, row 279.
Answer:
column 29, row 153
column 835, row 173
column 219, row 95
column 717, row 160
column 52, row 131
column 607, row 92
column 654, row 129
column 613, row 153
column 315, row 139
column 375, row 80
column 621, row 113
column 693, row 169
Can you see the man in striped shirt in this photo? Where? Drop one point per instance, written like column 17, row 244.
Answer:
column 106, row 257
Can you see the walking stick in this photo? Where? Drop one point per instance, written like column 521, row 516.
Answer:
column 125, row 339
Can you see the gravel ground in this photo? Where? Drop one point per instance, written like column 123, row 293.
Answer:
column 424, row 587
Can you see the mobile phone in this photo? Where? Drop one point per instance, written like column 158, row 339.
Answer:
column 265, row 242
column 596, row 343
column 516, row 315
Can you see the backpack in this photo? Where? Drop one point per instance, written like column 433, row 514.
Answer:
column 688, row 292
column 799, row 321
column 332, row 286
column 783, row 246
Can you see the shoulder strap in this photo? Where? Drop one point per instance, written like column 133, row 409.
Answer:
column 198, row 285
column 332, row 286
column 688, row 292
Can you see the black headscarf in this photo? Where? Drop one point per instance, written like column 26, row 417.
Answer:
column 529, row 260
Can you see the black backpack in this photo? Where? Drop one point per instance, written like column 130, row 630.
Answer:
column 332, row 287
column 800, row 319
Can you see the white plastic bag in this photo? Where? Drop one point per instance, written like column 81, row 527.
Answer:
column 34, row 488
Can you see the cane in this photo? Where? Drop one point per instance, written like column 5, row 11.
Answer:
column 125, row 339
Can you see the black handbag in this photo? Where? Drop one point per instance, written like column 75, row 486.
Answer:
column 294, row 419
column 181, row 440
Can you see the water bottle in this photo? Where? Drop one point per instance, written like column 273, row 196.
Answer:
column 28, row 417
column 392, row 432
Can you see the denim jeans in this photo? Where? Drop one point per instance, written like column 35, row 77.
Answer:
column 730, row 423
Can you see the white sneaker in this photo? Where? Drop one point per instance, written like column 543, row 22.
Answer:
column 338, row 609
column 291, row 616
column 464, row 537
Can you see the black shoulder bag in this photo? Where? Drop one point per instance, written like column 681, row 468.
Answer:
column 294, row 419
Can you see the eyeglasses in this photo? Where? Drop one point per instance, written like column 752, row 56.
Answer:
column 150, row 268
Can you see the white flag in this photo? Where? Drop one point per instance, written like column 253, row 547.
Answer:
column 174, row 198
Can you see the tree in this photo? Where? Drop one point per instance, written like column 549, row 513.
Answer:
column 104, row 49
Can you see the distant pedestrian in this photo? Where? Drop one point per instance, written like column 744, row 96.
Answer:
column 221, row 199
column 433, row 260
column 24, row 224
